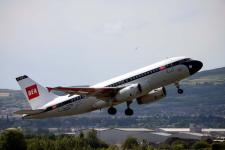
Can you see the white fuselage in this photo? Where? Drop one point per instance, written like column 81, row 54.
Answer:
column 156, row 79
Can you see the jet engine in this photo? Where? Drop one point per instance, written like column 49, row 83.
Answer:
column 152, row 96
column 128, row 93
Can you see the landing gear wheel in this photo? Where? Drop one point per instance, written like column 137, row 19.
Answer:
column 129, row 112
column 112, row 110
column 180, row 91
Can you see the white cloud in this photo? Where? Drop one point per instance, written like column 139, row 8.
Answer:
column 114, row 27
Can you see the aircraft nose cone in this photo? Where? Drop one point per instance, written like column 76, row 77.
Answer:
column 194, row 66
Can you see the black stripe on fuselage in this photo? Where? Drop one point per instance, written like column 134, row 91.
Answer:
column 146, row 73
column 78, row 98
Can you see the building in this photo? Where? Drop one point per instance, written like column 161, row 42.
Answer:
column 117, row 136
column 191, row 135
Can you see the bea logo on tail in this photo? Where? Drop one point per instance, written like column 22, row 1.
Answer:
column 32, row 92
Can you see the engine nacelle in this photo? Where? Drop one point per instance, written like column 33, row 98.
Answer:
column 152, row 96
column 128, row 93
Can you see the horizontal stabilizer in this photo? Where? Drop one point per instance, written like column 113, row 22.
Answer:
column 29, row 112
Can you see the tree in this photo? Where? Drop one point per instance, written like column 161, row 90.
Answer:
column 81, row 135
column 130, row 143
column 179, row 145
column 218, row 146
column 93, row 140
column 40, row 143
column 201, row 145
column 164, row 146
column 12, row 139
column 145, row 145
column 113, row 147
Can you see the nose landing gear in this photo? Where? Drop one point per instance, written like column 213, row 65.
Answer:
column 179, row 90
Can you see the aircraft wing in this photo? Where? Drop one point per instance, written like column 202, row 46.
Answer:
column 101, row 93
column 29, row 112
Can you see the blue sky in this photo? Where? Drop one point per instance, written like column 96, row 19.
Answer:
column 76, row 42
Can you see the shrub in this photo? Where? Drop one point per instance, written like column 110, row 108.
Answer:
column 130, row 143
column 93, row 140
column 12, row 139
column 201, row 145
column 218, row 146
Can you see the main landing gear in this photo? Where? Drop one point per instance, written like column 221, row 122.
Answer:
column 112, row 110
column 129, row 111
column 179, row 90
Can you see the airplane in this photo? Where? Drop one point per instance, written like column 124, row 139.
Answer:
column 145, row 85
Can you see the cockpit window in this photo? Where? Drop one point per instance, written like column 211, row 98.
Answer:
column 186, row 59
column 181, row 61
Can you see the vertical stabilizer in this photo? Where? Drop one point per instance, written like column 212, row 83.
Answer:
column 36, row 95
